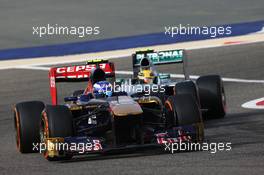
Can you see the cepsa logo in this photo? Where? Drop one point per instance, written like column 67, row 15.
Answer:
column 79, row 68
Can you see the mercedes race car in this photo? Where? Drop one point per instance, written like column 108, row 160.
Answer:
column 98, row 119
column 208, row 91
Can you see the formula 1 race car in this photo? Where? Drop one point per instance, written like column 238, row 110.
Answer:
column 207, row 90
column 99, row 120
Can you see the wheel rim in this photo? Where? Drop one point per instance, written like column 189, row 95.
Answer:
column 44, row 131
column 17, row 128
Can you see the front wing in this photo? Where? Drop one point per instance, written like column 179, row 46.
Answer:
column 94, row 145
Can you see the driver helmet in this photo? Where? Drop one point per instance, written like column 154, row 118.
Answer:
column 147, row 75
column 102, row 89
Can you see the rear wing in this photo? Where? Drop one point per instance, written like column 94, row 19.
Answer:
column 77, row 73
column 159, row 58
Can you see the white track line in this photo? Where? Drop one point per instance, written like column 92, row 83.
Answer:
column 234, row 80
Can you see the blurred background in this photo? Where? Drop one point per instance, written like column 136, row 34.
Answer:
column 115, row 18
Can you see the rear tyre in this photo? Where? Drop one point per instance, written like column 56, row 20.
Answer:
column 26, row 119
column 56, row 121
column 212, row 96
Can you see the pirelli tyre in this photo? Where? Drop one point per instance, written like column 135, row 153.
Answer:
column 56, row 121
column 212, row 96
column 182, row 109
column 26, row 119
column 187, row 87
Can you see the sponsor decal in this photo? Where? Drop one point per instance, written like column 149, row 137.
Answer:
column 80, row 68
column 180, row 136
column 52, row 82
column 161, row 57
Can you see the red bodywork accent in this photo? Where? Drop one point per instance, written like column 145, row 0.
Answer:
column 260, row 103
column 75, row 73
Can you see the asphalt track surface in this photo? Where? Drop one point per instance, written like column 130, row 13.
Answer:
column 116, row 17
column 244, row 128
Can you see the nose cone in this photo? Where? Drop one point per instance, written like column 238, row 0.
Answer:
column 125, row 106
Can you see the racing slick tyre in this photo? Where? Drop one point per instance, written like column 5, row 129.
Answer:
column 77, row 93
column 212, row 96
column 56, row 121
column 182, row 110
column 26, row 119
column 187, row 87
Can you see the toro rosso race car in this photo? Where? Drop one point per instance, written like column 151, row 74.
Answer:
column 100, row 118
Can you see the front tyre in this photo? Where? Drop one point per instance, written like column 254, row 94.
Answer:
column 187, row 87
column 182, row 110
column 26, row 120
column 56, row 121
